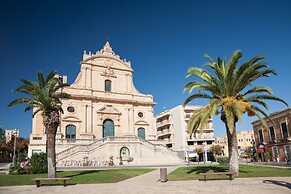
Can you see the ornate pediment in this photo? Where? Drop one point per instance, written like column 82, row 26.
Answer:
column 71, row 119
column 108, row 109
column 143, row 123
column 106, row 52
column 108, row 72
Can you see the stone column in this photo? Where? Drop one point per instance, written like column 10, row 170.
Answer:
column 92, row 119
column 85, row 118
column 129, row 83
column 133, row 127
column 128, row 120
column 83, row 74
column 88, row 78
column 89, row 122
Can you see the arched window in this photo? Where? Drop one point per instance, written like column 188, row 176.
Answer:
column 141, row 132
column 108, row 128
column 71, row 132
column 107, row 85
column 124, row 152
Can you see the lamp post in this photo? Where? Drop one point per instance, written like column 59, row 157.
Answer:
column 14, row 147
column 203, row 147
column 187, row 151
column 253, row 150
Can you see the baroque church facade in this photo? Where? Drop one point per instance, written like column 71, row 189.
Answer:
column 106, row 120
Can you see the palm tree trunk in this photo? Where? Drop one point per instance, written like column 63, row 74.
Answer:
column 51, row 123
column 232, row 144
column 232, row 150
column 51, row 155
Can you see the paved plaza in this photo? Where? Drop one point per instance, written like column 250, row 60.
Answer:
column 149, row 183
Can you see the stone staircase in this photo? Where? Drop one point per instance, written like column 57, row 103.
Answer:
column 86, row 149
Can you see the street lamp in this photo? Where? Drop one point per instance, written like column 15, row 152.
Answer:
column 203, row 147
column 187, row 151
column 15, row 133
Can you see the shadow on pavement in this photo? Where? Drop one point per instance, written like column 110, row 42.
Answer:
column 280, row 183
column 83, row 172
column 204, row 169
column 56, row 184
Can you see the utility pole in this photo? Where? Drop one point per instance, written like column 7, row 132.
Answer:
column 14, row 147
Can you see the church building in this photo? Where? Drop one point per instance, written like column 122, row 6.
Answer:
column 107, row 120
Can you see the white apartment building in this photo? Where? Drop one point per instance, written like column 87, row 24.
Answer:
column 171, row 128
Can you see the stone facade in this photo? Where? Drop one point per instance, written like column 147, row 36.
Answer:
column 244, row 139
column 104, row 103
column 277, row 138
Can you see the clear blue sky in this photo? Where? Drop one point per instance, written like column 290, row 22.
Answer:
column 161, row 38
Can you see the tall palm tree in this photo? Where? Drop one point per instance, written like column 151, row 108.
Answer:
column 230, row 91
column 44, row 96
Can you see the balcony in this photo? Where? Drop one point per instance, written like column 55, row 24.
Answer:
column 202, row 136
column 164, row 132
column 168, row 140
column 163, row 124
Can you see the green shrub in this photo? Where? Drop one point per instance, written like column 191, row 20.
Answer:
column 223, row 160
column 267, row 156
column 16, row 169
column 256, row 156
column 38, row 163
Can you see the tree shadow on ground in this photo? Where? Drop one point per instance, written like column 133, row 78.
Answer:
column 204, row 169
column 57, row 184
column 83, row 173
column 280, row 183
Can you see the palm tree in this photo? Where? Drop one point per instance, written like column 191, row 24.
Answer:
column 44, row 97
column 231, row 94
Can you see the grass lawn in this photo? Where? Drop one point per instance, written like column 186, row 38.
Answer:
column 245, row 171
column 77, row 177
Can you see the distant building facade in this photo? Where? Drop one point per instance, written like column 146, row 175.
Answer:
column 171, row 128
column 276, row 139
column 107, row 118
column 245, row 139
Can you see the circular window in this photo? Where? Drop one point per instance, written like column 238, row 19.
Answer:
column 140, row 114
column 71, row 109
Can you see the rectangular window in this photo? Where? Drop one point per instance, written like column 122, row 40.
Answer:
column 284, row 130
column 107, row 85
column 199, row 142
column 209, row 142
column 288, row 151
column 272, row 133
column 190, row 142
column 261, row 137
column 275, row 152
column 37, row 138
column 36, row 151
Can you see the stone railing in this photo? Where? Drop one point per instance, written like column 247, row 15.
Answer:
column 87, row 147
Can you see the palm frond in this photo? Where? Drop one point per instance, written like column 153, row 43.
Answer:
column 41, row 80
column 196, row 96
column 258, row 89
column 50, row 76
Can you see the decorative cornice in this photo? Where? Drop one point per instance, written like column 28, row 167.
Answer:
column 275, row 115
column 112, row 100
